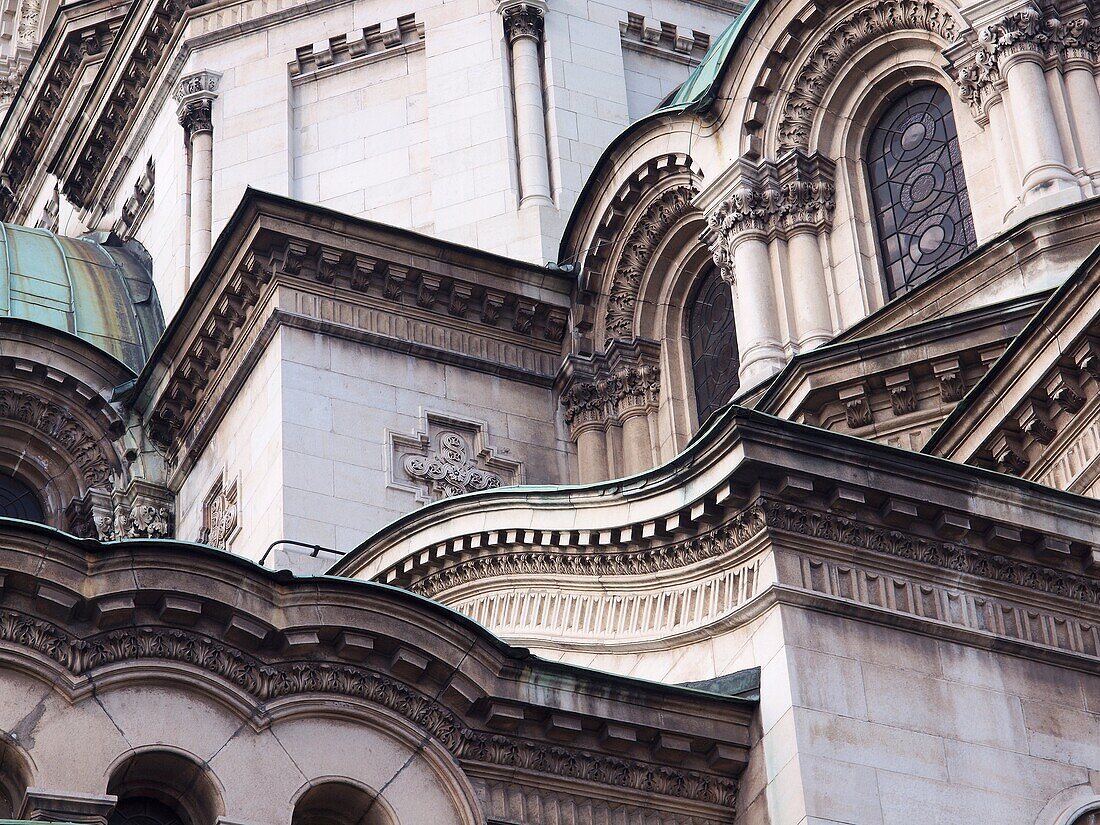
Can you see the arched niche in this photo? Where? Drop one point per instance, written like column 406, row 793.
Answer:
column 163, row 787
column 853, row 105
column 58, row 431
column 15, row 778
column 340, row 801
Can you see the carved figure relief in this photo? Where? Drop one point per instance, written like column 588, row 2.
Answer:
column 447, row 458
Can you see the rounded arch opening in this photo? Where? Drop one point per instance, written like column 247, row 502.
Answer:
column 923, row 222
column 712, row 343
column 340, row 802
column 18, row 499
column 160, row 787
column 15, row 778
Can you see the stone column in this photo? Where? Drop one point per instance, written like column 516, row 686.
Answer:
column 1080, row 41
column 523, row 25
column 1004, row 158
column 808, row 197
column 635, row 392
column 584, row 400
column 196, row 94
column 756, row 310
column 1019, row 45
column 591, row 439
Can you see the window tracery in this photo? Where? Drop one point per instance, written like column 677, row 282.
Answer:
column 713, row 341
column 922, row 211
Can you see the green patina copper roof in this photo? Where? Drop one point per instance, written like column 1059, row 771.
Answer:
column 702, row 84
column 102, row 293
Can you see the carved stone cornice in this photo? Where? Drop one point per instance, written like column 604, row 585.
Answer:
column 385, row 650
column 523, row 19
column 359, row 278
column 830, row 55
column 603, row 389
column 776, row 198
column 645, row 236
column 195, row 93
column 120, row 106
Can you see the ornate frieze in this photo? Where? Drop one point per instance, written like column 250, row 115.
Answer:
column 645, row 236
column 991, row 557
column 831, row 54
column 360, row 278
column 772, row 197
column 448, row 457
column 522, row 20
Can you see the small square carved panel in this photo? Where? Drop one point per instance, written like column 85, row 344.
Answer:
column 447, row 457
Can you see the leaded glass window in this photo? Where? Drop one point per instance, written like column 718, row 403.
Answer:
column 714, row 359
column 17, row 500
column 922, row 212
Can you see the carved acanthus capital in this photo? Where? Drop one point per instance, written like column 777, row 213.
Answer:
column 1079, row 39
column 604, row 389
column 195, row 94
column 807, row 195
column 523, row 20
column 774, row 198
column 1027, row 33
column 978, row 77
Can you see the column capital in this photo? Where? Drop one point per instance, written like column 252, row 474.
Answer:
column 1026, row 34
column 768, row 199
column 195, row 94
column 523, row 18
column 610, row 387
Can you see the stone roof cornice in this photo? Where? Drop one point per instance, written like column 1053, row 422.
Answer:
column 80, row 33
column 274, row 243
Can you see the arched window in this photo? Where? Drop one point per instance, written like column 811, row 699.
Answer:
column 18, row 500
column 922, row 212
column 713, row 337
column 144, row 810
column 339, row 803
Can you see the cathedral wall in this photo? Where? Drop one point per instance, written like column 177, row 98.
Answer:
column 353, row 411
column 920, row 729
column 239, row 473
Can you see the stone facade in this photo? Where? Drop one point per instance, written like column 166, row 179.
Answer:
column 692, row 410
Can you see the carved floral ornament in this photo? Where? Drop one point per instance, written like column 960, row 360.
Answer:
column 978, row 69
column 644, row 238
column 776, row 198
column 448, row 457
column 54, row 422
column 620, row 383
column 870, row 23
column 265, row 682
column 522, row 20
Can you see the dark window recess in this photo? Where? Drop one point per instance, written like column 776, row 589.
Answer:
column 714, row 359
column 922, row 212
column 144, row 810
column 17, row 500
